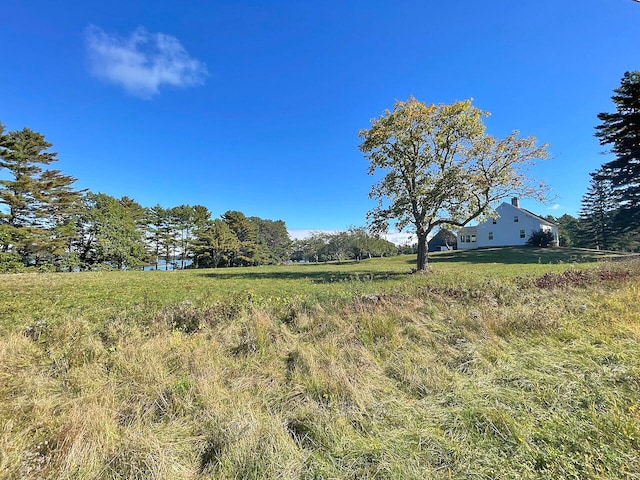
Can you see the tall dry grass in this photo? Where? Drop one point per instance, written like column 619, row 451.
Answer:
column 478, row 378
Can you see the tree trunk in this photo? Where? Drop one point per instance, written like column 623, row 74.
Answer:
column 183, row 248
column 422, row 263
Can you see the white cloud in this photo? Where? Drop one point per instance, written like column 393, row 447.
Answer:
column 142, row 61
column 400, row 238
column 555, row 206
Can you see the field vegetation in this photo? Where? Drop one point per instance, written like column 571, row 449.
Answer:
column 504, row 363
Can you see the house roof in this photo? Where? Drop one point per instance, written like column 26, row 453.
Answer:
column 524, row 210
column 542, row 219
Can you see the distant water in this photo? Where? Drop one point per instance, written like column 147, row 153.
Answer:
column 162, row 265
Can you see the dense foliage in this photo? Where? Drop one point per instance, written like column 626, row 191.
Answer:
column 540, row 238
column 441, row 169
column 609, row 214
column 45, row 224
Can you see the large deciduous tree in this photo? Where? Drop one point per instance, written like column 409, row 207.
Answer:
column 311, row 248
column 621, row 130
column 110, row 235
column 441, row 168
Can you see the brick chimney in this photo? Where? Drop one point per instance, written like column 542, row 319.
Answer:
column 515, row 201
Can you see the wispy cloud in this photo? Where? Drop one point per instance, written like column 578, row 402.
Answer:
column 555, row 206
column 142, row 61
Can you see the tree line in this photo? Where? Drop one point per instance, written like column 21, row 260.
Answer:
column 441, row 171
column 353, row 244
column 609, row 216
column 47, row 224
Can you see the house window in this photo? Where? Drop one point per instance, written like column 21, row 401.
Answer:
column 490, row 235
column 462, row 239
column 495, row 220
column 521, row 233
column 515, row 219
column 468, row 238
column 473, row 238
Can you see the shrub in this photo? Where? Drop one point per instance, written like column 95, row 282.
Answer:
column 10, row 263
column 541, row 238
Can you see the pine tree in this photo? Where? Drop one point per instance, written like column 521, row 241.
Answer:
column 156, row 218
column 201, row 219
column 621, row 130
column 37, row 205
column 215, row 244
column 183, row 216
column 246, row 233
column 597, row 213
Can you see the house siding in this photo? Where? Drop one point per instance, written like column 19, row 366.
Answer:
column 506, row 231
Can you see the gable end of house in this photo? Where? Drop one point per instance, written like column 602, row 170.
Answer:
column 513, row 226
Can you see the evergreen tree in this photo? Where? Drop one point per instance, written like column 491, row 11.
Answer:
column 201, row 217
column 215, row 245
column 274, row 244
column 621, row 130
column 138, row 212
column 156, row 218
column 569, row 231
column 184, row 220
column 37, row 205
column 169, row 237
column 597, row 213
column 246, row 234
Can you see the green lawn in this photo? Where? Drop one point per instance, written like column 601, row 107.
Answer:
column 104, row 294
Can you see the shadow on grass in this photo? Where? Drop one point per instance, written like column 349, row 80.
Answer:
column 300, row 272
column 521, row 255
column 345, row 271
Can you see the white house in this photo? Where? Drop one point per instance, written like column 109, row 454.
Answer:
column 512, row 226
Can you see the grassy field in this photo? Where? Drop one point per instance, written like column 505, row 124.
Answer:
column 139, row 294
column 504, row 363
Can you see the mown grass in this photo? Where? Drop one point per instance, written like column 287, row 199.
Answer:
column 140, row 294
column 475, row 370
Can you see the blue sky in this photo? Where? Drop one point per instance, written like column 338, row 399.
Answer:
column 256, row 106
